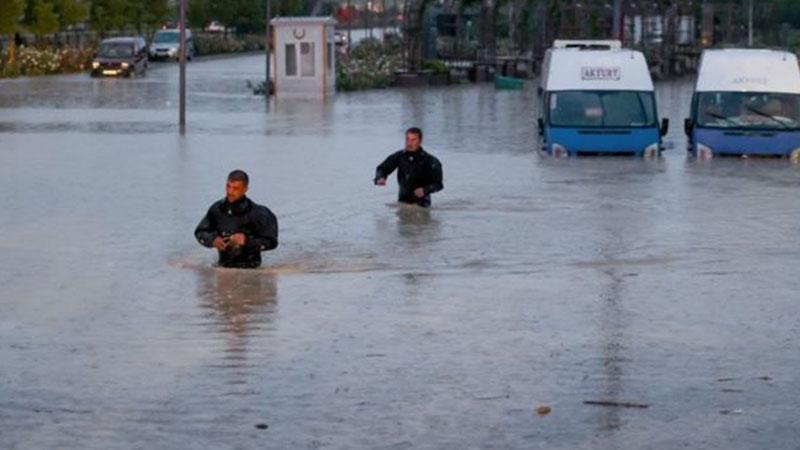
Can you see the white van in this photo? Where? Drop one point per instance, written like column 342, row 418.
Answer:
column 598, row 98
column 745, row 102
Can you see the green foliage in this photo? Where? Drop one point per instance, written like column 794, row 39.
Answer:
column 146, row 14
column 435, row 65
column 71, row 12
column 370, row 65
column 199, row 14
column 108, row 15
column 10, row 15
column 45, row 20
column 210, row 44
column 33, row 61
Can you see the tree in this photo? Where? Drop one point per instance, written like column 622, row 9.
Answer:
column 10, row 16
column 71, row 12
column 147, row 14
column 45, row 20
column 107, row 15
column 199, row 13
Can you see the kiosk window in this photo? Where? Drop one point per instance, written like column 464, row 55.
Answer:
column 291, row 60
column 307, row 59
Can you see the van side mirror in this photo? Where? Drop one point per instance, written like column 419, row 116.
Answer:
column 688, row 126
column 540, row 124
column 664, row 126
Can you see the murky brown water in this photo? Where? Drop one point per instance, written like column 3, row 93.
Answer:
column 531, row 281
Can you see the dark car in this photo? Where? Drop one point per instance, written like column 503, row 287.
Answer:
column 123, row 56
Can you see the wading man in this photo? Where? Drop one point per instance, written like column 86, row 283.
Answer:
column 419, row 173
column 237, row 227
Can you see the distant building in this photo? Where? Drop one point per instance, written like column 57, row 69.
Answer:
column 305, row 60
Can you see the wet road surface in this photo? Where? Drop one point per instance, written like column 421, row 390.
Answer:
column 669, row 283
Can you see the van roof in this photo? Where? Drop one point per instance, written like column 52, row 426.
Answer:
column 593, row 44
column 596, row 70
column 748, row 70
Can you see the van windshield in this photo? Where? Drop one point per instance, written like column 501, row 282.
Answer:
column 748, row 110
column 602, row 109
column 116, row 50
column 166, row 37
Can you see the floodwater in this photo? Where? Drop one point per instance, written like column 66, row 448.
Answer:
column 669, row 283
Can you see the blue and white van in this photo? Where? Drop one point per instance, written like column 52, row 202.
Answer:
column 598, row 98
column 745, row 102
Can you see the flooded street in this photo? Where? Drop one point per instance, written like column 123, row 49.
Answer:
column 531, row 281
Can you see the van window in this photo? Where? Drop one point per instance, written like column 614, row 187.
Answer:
column 748, row 110
column 602, row 109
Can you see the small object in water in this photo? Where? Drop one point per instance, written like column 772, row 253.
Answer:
column 726, row 412
column 543, row 410
column 614, row 403
column 262, row 426
column 501, row 82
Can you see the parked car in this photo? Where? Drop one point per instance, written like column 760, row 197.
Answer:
column 122, row 56
column 166, row 45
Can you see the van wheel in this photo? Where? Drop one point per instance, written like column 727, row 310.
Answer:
column 794, row 157
column 704, row 154
column 650, row 153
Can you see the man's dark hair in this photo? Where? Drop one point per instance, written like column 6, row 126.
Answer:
column 415, row 130
column 239, row 175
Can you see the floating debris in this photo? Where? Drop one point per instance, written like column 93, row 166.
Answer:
column 543, row 410
column 262, row 426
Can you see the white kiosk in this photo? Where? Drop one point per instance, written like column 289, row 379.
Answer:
column 305, row 64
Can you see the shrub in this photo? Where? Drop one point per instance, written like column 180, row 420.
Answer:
column 370, row 65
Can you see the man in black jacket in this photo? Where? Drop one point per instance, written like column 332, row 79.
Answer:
column 237, row 227
column 419, row 173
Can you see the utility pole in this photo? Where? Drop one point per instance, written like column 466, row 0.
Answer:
column 268, row 83
column 617, row 24
column 750, row 24
column 182, row 82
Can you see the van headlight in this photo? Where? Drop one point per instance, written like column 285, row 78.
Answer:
column 559, row 151
column 125, row 65
column 95, row 64
column 704, row 152
column 173, row 51
column 652, row 150
column 794, row 156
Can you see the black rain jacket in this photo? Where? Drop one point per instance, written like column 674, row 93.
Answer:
column 224, row 219
column 415, row 170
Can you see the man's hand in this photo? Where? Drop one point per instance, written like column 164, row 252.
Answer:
column 219, row 243
column 238, row 240
column 419, row 192
column 380, row 182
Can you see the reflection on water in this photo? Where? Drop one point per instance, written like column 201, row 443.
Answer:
column 243, row 303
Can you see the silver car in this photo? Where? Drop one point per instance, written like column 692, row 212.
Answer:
column 166, row 45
